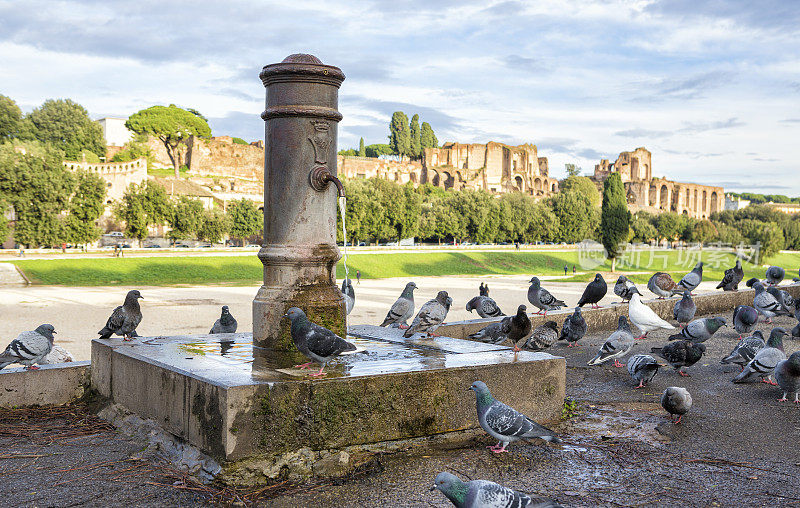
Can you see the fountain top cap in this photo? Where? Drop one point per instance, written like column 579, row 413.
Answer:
column 302, row 58
column 301, row 67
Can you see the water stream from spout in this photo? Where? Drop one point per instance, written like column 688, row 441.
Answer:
column 342, row 203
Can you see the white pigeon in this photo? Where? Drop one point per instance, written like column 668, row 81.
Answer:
column 644, row 317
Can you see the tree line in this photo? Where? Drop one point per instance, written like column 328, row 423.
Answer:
column 406, row 139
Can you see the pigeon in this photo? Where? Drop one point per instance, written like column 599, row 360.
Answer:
column 700, row 330
column 402, row 309
column 624, row 288
column 616, row 346
column 510, row 327
column 782, row 297
column 766, row 304
column 485, row 306
column 680, row 354
column 594, row 292
column 542, row 337
column 796, row 331
column 745, row 350
column 642, row 368
column 766, row 359
column 57, row 355
column 225, row 324
column 349, row 295
column 486, row 494
column 774, row 275
column 125, row 318
column 541, row 298
column 316, row 342
column 29, row 347
column 744, row 319
column 692, row 279
column 732, row 278
column 684, row 309
column 676, row 401
column 505, row 423
column 483, row 289
column 430, row 315
column 751, row 281
column 662, row 285
column 787, row 375
column 574, row 328
column 644, row 317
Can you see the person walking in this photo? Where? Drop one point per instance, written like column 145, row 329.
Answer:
column 358, row 276
column 573, row 269
column 565, row 270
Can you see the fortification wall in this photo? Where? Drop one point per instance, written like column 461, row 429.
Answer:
column 348, row 166
column 221, row 156
column 117, row 175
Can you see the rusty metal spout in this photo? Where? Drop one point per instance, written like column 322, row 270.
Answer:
column 320, row 177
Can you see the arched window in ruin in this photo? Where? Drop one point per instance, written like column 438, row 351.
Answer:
column 713, row 202
column 688, row 199
column 644, row 172
column 705, row 204
column 537, row 184
column 448, row 180
column 554, row 187
column 676, row 194
column 652, row 195
column 694, row 203
column 435, row 179
column 664, row 197
column 518, row 179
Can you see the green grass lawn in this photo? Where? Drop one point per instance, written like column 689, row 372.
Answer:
column 157, row 271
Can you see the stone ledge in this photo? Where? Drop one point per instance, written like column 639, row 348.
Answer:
column 50, row 384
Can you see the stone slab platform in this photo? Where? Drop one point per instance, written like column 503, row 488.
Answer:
column 49, row 384
column 235, row 401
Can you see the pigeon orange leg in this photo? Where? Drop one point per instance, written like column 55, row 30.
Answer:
column 32, row 367
column 318, row 374
column 682, row 373
column 641, row 385
column 676, row 422
column 784, row 399
column 403, row 327
column 303, row 365
column 617, row 364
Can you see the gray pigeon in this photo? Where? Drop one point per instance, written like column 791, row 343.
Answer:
column 676, row 401
column 751, row 281
column 784, row 298
column 349, row 295
column 316, row 342
column 744, row 319
column 692, row 279
column 541, row 298
column 430, row 315
column 485, row 306
column 766, row 304
column 125, row 318
column 594, row 292
column 542, row 337
column 662, row 285
column 486, row 494
column 763, row 364
column 642, row 368
column 574, row 328
column 505, row 423
column 745, row 350
column 774, row 275
column 732, row 278
column 700, row 330
column 513, row 328
column 787, row 375
column 616, row 346
column 680, row 354
column 29, row 347
column 624, row 288
column 796, row 331
column 684, row 309
column 402, row 309
column 225, row 324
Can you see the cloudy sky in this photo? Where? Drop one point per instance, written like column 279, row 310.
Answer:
column 710, row 87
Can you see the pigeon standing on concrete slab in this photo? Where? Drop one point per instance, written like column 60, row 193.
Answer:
column 125, row 318
column 542, row 337
column 616, row 346
column 676, row 401
column 642, row 368
column 513, row 328
column 316, row 342
column 57, row 355
column 486, row 494
column 485, row 306
column 505, row 423
column 692, row 279
column 787, row 375
column 784, row 298
column 744, row 319
column 745, row 350
column 594, row 292
column 662, row 285
column 624, row 288
column 684, row 309
column 29, row 347
column 430, row 315
column 225, row 324
column 402, row 309
column 680, row 354
column 700, row 330
column 774, row 275
column 766, row 304
column 645, row 318
column 541, row 298
column 764, row 362
column 349, row 295
column 574, row 328
column 732, row 278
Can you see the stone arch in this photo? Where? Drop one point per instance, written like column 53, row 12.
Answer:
column 448, row 180
column 653, row 196
column 434, row 178
column 714, row 204
column 519, row 183
column 537, row 184
column 705, row 203
column 554, row 187
column 676, row 197
column 664, row 203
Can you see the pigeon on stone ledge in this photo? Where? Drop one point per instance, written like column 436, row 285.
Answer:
column 430, row 315
column 29, row 347
column 125, row 318
column 542, row 337
column 513, row 328
column 402, row 309
column 485, row 306
column 774, row 275
column 594, row 292
column 225, row 324
column 315, row 342
column 692, row 279
column 732, row 278
column 624, row 288
column 349, row 295
column 684, row 309
column 662, row 285
column 541, row 298
column 574, row 328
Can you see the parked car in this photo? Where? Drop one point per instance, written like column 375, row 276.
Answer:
column 115, row 233
column 152, row 246
column 182, row 246
column 362, row 244
column 252, row 245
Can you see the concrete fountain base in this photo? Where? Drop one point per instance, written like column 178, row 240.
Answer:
column 237, row 402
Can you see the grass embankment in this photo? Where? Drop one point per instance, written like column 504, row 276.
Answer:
column 160, row 271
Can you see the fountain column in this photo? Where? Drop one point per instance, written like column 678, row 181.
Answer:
column 299, row 252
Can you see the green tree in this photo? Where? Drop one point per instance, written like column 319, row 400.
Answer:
column 85, row 208
column 143, row 205
column 173, row 126
column 362, row 150
column 572, row 170
column 767, row 234
column 10, row 118
column 400, row 134
column 642, row 228
column 615, row 218
column 669, row 225
column 245, row 219
column 66, row 124
column 582, row 185
column 543, row 226
column 702, row 231
column 377, row 150
column 416, row 141
column 427, row 139
column 133, row 150
column 577, row 218
column 214, row 226
column 186, row 219
column 516, row 213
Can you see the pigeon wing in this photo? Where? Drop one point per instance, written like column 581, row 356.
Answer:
column 399, row 311
column 324, row 343
column 114, row 323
